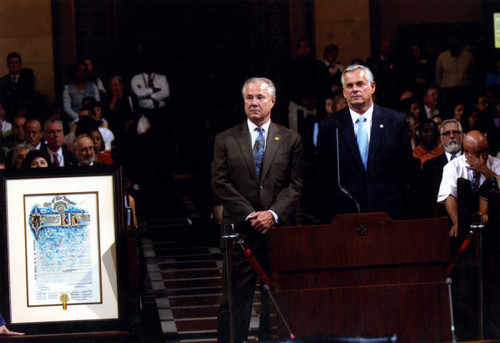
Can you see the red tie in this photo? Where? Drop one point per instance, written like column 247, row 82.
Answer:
column 56, row 160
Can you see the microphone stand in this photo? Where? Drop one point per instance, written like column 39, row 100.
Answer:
column 237, row 238
column 453, row 337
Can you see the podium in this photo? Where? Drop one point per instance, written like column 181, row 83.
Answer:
column 363, row 275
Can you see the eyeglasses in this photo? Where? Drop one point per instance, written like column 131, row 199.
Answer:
column 448, row 133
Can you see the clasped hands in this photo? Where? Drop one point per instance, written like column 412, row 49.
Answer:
column 261, row 221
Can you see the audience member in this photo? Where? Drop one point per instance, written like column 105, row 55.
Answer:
column 307, row 86
column 451, row 139
column 458, row 111
column 5, row 126
column 469, row 118
column 122, row 108
column 93, row 76
column 454, row 73
column 438, row 120
column 475, row 165
column 430, row 102
column 152, row 90
column 36, row 159
column 19, row 154
column 18, row 136
column 17, row 88
column 335, row 68
column 102, row 155
column 83, row 148
column 429, row 146
column 417, row 69
column 59, row 154
column 382, row 66
column 484, row 193
column 33, row 133
column 79, row 88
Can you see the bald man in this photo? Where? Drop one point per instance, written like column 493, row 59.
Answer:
column 475, row 165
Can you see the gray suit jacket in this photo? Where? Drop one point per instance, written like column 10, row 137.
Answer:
column 236, row 184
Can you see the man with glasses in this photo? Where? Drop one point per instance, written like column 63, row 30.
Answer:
column 475, row 165
column 432, row 170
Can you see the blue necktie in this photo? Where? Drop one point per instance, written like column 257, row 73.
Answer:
column 362, row 140
column 258, row 150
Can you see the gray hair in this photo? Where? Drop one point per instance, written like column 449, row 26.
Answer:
column 354, row 67
column 272, row 87
column 52, row 121
column 19, row 147
column 83, row 135
column 447, row 121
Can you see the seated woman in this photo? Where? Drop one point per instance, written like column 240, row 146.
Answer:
column 36, row 159
column 101, row 155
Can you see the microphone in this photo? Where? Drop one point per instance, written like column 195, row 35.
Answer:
column 345, row 191
column 453, row 337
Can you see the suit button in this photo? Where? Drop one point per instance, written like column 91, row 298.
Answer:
column 261, row 188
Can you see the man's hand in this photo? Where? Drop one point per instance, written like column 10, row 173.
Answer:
column 478, row 164
column 5, row 331
column 262, row 221
column 454, row 230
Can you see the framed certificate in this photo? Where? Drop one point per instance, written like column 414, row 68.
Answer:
column 60, row 247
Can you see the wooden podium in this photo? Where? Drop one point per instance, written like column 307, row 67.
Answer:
column 363, row 275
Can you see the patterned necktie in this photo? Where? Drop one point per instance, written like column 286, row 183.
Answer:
column 56, row 160
column 258, row 150
column 362, row 140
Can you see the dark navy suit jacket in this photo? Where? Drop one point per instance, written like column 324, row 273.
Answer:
column 379, row 188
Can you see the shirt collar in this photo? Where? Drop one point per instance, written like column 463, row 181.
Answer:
column 448, row 155
column 252, row 126
column 368, row 115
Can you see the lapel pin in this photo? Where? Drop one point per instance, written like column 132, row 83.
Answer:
column 276, row 138
column 381, row 126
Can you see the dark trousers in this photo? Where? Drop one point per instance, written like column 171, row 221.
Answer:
column 243, row 283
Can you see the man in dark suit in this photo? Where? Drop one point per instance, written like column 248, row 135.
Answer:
column 34, row 134
column 375, row 154
column 17, row 88
column 59, row 155
column 257, row 178
column 432, row 170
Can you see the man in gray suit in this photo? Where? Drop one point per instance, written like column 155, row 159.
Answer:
column 258, row 180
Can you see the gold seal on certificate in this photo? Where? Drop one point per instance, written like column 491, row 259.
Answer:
column 64, row 298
